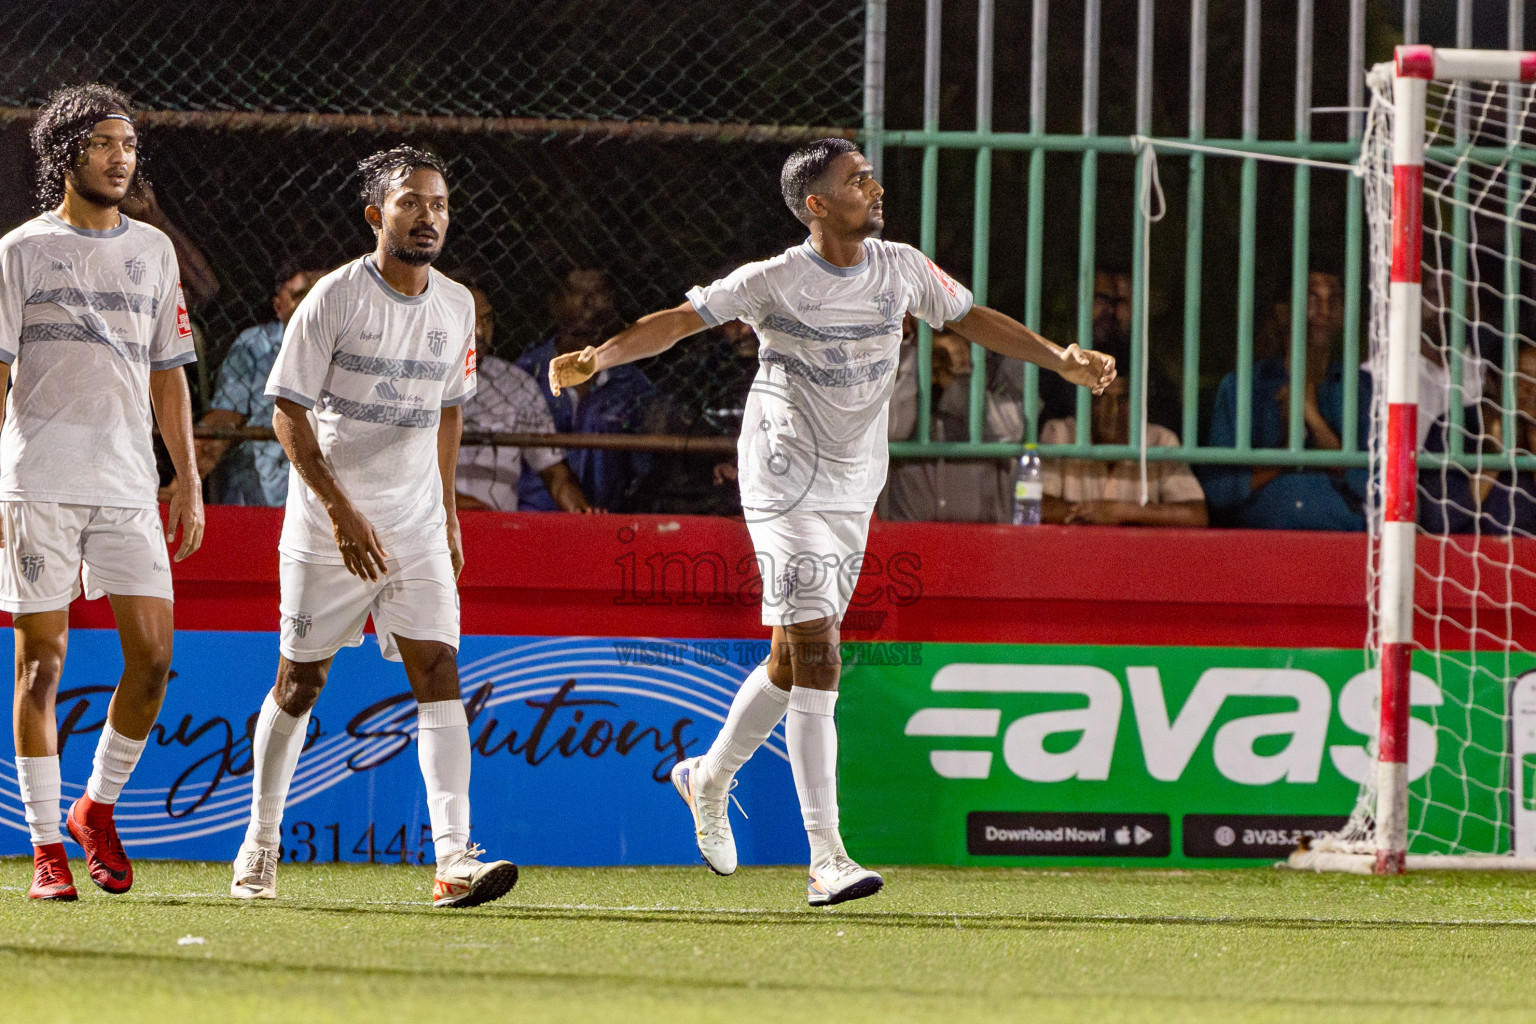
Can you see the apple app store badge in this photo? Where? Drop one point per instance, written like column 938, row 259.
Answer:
column 1044, row 834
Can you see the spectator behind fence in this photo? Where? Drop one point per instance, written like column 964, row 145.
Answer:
column 1078, row 490
column 252, row 472
column 949, row 490
column 613, row 402
column 1495, row 501
column 1112, row 334
column 507, row 400
column 1287, row 497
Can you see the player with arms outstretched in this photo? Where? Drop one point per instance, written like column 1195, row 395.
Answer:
column 368, row 384
column 94, row 333
column 812, row 459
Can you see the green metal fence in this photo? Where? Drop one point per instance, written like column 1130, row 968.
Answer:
column 1193, row 149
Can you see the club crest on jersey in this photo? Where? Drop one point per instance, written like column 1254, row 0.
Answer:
column 437, row 341
column 135, row 268
column 885, row 302
column 31, row 567
column 301, row 623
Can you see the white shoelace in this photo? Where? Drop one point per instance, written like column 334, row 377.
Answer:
column 262, row 866
column 716, row 810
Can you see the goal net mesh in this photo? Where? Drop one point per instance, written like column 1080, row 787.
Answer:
column 1475, row 573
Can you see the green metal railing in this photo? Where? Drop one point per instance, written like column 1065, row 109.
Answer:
column 1249, row 149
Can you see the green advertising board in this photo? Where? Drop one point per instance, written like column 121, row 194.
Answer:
column 1152, row 756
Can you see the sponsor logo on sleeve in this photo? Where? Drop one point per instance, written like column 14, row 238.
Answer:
column 948, row 283
column 183, row 320
column 469, row 360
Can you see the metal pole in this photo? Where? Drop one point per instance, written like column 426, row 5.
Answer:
column 1514, row 184
column 1410, row 22
column 1301, row 220
column 929, row 225
column 1138, row 220
column 1247, row 228
column 981, row 237
column 1455, row 411
column 1035, row 230
column 874, row 84
column 1194, row 227
column 1088, row 207
column 1354, row 208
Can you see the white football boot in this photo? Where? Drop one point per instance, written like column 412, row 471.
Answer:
column 255, row 874
column 467, row 881
column 711, row 823
column 839, row 880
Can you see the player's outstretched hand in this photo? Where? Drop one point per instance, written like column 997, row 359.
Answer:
column 1091, row 369
column 186, row 513
column 572, row 369
column 359, row 545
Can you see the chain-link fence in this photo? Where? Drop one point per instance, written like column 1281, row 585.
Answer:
column 641, row 137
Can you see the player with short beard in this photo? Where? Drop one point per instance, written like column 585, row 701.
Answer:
column 812, row 460
column 368, row 384
column 94, row 332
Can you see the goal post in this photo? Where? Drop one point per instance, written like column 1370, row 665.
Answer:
column 1474, row 108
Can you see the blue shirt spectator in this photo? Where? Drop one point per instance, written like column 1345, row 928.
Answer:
column 255, row 472
column 252, row 472
column 1294, row 499
column 615, row 403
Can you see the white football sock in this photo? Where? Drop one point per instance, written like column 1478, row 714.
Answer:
column 116, row 756
column 812, row 735
column 754, row 714
column 274, row 756
column 442, row 745
column 39, row 784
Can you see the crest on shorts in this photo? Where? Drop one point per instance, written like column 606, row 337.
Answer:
column 32, row 567
column 135, row 269
column 784, row 583
column 301, row 623
column 437, row 341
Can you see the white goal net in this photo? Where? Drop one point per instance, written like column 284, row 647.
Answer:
column 1467, row 539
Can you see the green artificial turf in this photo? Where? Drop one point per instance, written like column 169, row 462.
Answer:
column 679, row 945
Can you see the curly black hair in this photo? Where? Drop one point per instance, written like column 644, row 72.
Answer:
column 61, row 130
column 384, row 171
column 804, row 170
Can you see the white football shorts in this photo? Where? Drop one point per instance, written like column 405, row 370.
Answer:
column 809, row 561
column 49, row 547
column 324, row 607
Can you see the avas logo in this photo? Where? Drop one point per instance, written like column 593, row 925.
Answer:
column 1286, row 744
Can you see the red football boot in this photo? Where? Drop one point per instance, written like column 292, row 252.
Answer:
column 90, row 824
column 51, row 879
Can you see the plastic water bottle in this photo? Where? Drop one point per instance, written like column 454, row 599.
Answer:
column 1027, row 489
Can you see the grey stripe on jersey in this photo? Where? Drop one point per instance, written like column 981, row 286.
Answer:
column 80, row 332
column 377, row 366
column 834, row 377
column 113, row 302
column 391, row 415
column 853, row 332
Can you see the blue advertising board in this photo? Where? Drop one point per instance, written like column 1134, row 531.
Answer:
column 573, row 739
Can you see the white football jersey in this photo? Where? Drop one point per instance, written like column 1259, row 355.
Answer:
column 84, row 317
column 376, row 368
column 813, row 435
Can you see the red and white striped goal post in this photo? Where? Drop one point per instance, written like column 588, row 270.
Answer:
column 1415, row 67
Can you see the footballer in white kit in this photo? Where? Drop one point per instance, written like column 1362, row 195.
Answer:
column 812, row 461
column 374, row 366
column 94, row 332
